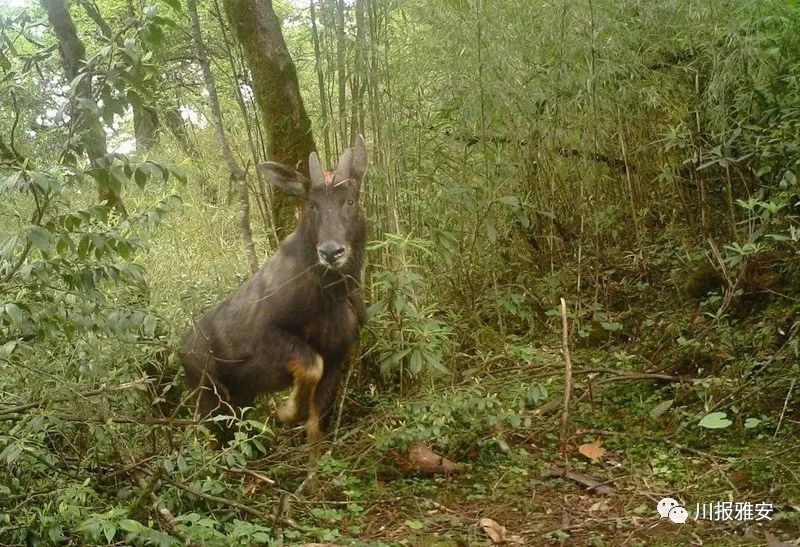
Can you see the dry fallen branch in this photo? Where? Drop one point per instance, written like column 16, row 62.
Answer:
column 591, row 484
column 567, row 376
column 231, row 503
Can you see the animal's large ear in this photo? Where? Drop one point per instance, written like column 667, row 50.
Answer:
column 315, row 170
column 343, row 167
column 285, row 179
column 358, row 161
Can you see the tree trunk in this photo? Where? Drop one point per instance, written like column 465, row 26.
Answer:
column 237, row 173
column 341, row 72
column 87, row 126
column 177, row 126
column 323, row 101
column 288, row 128
column 145, row 127
column 356, row 79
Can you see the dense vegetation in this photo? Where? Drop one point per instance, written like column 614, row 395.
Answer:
column 638, row 159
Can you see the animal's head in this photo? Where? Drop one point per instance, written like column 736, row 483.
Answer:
column 331, row 215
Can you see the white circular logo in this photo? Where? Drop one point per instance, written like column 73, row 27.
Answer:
column 665, row 505
column 678, row 515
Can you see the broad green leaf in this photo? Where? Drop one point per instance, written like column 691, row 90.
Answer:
column 715, row 420
column 109, row 530
column 751, row 423
column 174, row 4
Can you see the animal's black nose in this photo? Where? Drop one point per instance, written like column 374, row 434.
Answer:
column 330, row 252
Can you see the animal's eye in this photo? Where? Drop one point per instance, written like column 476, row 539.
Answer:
column 312, row 206
column 350, row 202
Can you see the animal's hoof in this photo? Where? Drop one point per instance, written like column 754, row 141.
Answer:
column 288, row 414
column 311, row 484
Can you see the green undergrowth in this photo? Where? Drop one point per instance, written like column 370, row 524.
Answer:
column 88, row 469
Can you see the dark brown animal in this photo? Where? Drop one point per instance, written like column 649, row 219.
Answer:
column 295, row 321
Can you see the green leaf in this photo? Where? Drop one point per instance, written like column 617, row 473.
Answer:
column 389, row 362
column 415, row 362
column 375, row 309
column 715, row 420
column 10, row 182
column 661, row 408
column 174, row 4
column 118, row 173
column 55, row 534
column 140, row 176
column 109, row 530
column 129, row 525
column 433, row 361
column 43, row 181
column 8, row 348
column 751, row 423
column 513, row 201
column 16, row 314
column 39, row 237
column 64, row 244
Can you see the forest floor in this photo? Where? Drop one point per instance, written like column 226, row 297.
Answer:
column 634, row 433
column 507, row 477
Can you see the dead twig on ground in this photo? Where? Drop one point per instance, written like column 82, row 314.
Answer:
column 231, row 503
column 581, row 478
column 567, row 376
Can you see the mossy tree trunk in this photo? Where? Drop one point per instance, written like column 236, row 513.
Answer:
column 288, row 128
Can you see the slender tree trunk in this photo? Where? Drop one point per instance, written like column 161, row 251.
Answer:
column 323, row 101
column 250, row 121
column 341, row 72
column 277, row 92
column 356, row 93
column 145, row 127
column 177, row 126
column 237, row 173
column 87, row 126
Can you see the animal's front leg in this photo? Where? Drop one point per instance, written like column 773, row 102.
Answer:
column 306, row 374
column 302, row 403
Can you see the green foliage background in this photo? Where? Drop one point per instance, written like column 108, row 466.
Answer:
column 639, row 159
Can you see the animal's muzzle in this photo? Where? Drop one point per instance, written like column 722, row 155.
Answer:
column 332, row 254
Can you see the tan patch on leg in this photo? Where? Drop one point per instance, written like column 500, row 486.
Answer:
column 305, row 382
